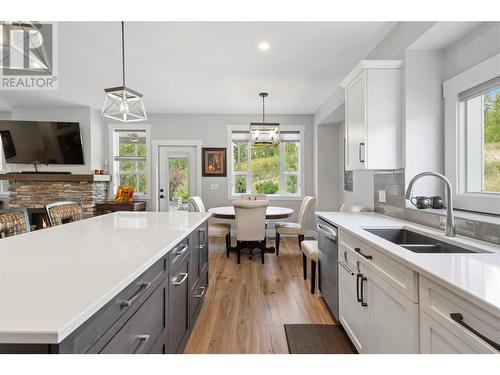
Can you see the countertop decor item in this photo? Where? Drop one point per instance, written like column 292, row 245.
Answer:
column 421, row 202
column 264, row 133
column 437, row 202
column 214, row 162
column 122, row 103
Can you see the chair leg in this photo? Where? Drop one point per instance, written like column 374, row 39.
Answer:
column 301, row 238
column 238, row 251
column 304, row 265
column 277, row 244
column 228, row 243
column 262, row 250
column 319, row 275
column 313, row 276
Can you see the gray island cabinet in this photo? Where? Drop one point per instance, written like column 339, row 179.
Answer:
column 155, row 313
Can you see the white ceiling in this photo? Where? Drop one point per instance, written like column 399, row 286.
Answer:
column 211, row 67
column 443, row 34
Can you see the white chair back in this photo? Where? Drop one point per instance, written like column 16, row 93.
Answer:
column 195, row 204
column 254, row 197
column 250, row 219
column 305, row 209
column 353, row 207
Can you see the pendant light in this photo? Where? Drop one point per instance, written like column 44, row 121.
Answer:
column 262, row 133
column 122, row 103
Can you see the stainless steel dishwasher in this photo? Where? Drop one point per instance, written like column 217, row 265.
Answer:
column 328, row 271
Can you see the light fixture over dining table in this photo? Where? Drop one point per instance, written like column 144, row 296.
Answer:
column 122, row 103
column 264, row 133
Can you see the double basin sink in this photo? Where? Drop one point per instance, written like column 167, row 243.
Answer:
column 418, row 243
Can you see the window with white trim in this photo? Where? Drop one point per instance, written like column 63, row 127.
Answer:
column 274, row 170
column 130, row 160
column 479, row 119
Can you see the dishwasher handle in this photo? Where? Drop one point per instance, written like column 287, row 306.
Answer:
column 328, row 232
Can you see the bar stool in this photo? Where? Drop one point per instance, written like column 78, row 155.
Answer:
column 310, row 250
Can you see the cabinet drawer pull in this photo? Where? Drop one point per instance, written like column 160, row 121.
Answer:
column 142, row 288
column 183, row 277
column 203, row 290
column 363, row 303
column 361, row 159
column 459, row 318
column 358, row 277
column 143, row 339
column 345, row 267
column 358, row 250
column 181, row 251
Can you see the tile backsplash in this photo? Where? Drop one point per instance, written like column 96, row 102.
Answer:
column 393, row 183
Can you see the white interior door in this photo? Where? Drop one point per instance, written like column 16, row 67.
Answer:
column 177, row 177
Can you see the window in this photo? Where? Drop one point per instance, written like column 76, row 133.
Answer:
column 480, row 119
column 130, row 159
column 274, row 170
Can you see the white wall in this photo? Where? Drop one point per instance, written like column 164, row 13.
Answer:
column 211, row 129
column 424, row 130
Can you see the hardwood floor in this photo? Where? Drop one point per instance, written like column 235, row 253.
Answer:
column 247, row 304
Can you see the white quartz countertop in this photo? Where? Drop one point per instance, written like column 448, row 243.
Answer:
column 53, row 280
column 475, row 276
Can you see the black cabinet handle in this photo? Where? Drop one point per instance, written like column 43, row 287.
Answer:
column 459, row 318
column 363, row 303
column 358, row 250
column 361, row 159
column 358, row 277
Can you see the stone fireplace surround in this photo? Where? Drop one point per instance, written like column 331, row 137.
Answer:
column 34, row 191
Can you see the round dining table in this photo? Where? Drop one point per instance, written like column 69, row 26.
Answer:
column 272, row 212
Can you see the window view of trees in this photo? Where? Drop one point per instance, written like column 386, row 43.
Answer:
column 491, row 155
column 132, row 165
column 178, row 184
column 265, row 175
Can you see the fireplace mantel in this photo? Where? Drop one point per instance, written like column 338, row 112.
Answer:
column 54, row 177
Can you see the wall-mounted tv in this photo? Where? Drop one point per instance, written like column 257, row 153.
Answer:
column 42, row 142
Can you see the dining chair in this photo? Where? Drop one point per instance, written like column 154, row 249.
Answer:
column 310, row 250
column 353, row 207
column 63, row 212
column 14, row 221
column 254, row 197
column 250, row 226
column 291, row 228
column 195, row 204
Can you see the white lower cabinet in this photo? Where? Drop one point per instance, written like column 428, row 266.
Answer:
column 435, row 339
column 377, row 318
column 392, row 319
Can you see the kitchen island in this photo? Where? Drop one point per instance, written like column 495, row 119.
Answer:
column 126, row 282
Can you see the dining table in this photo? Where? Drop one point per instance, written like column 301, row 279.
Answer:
column 272, row 213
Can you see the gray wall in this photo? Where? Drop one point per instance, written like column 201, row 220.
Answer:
column 328, row 192
column 211, row 129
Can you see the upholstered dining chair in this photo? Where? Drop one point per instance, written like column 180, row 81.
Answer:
column 250, row 226
column 254, row 197
column 195, row 204
column 295, row 229
column 63, row 212
column 14, row 221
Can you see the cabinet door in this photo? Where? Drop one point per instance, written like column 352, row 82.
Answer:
column 203, row 231
column 352, row 315
column 355, row 126
column 194, row 264
column 435, row 339
column 178, row 302
column 392, row 319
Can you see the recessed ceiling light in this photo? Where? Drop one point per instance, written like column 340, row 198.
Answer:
column 264, row 46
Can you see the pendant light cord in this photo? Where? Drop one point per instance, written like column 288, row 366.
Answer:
column 123, row 52
column 263, row 110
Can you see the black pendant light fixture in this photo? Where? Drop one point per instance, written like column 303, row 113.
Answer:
column 122, row 103
column 264, row 133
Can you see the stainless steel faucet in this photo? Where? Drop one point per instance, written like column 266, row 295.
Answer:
column 450, row 219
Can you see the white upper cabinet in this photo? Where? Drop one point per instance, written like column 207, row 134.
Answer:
column 373, row 115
